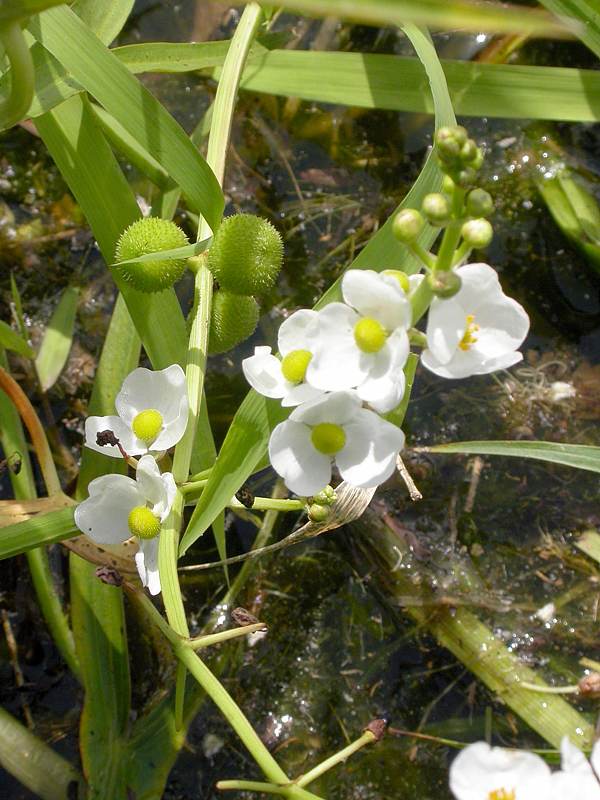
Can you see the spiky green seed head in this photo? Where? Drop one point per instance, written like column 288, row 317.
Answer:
column 143, row 523
column 234, row 318
column 479, row 203
column 407, row 225
column 246, row 255
column 150, row 235
column 444, row 284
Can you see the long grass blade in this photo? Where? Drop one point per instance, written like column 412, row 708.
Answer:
column 11, row 340
column 37, row 531
column 58, row 338
column 579, row 456
column 585, row 12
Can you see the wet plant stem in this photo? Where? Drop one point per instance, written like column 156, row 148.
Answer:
column 367, row 738
column 423, row 255
column 265, row 788
column 22, row 77
column 224, row 636
column 461, row 253
column 451, row 236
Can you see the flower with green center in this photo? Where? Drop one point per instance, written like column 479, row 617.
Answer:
column 119, row 507
column 152, row 409
column 285, row 378
column 477, row 330
column 334, row 429
column 363, row 342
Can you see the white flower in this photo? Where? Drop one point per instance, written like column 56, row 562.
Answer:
column 284, row 378
column 334, row 427
column 363, row 342
column 152, row 410
column 577, row 778
column 481, row 772
column 119, row 507
column 478, row 330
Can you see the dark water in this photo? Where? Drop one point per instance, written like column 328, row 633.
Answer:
column 341, row 650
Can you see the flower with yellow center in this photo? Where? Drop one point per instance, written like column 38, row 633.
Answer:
column 334, row 429
column 476, row 331
column 152, row 413
column 119, row 507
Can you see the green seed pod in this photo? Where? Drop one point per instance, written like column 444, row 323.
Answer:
column 444, row 283
column 246, row 255
column 318, row 513
column 436, row 209
column 479, row 203
column 326, row 497
column 234, row 318
column 407, row 225
column 477, row 233
column 150, row 235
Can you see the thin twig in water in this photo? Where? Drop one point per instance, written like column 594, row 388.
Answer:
column 476, row 469
column 414, row 493
column 14, row 660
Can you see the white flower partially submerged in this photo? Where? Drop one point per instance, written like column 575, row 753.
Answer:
column 476, row 331
column 577, row 777
column 152, row 410
column 119, row 507
column 334, row 428
column 481, row 772
column 363, row 342
column 285, row 377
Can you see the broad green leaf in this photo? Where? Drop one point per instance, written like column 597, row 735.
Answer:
column 101, row 73
column 187, row 251
column 589, row 543
column 106, row 20
column 89, row 167
column 173, row 57
column 247, row 437
column 580, row 456
column 47, row 529
column 437, row 14
column 584, row 12
column 32, row 762
column 57, row 340
column 21, row 9
column 11, row 340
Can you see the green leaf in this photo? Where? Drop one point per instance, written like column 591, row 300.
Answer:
column 28, row 759
column 247, row 437
column 438, row 14
column 400, row 84
column 106, row 20
column 21, row 9
column 57, row 340
column 579, row 456
column 589, row 543
column 174, row 57
column 585, row 12
column 11, row 340
column 187, row 251
column 101, row 73
column 46, row 529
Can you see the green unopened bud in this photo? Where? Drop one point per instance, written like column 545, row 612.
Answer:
column 326, row 497
column 468, row 152
column 150, row 235
column 479, row 203
column 234, row 318
column 448, row 185
column 407, row 225
column 465, row 177
column 246, row 255
column 318, row 513
column 477, row 233
column 478, row 160
column 436, row 209
column 444, row 284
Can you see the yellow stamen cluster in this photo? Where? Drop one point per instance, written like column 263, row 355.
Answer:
column 143, row 523
column 502, row 794
column 147, row 425
column 295, row 364
column 369, row 335
column 328, row 438
column 467, row 341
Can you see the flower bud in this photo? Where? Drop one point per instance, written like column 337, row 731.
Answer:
column 150, row 235
column 318, row 513
column 479, row 203
column 478, row 160
column 436, row 209
column 444, row 283
column 465, row 177
column 468, row 152
column 407, row 225
column 447, row 185
column 234, row 318
column 326, row 497
column 246, row 255
column 477, row 233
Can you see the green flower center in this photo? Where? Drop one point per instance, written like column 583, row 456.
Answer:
column 328, row 438
column 147, row 425
column 295, row 364
column 369, row 335
column 143, row 523
column 401, row 277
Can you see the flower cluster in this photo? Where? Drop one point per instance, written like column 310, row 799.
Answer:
column 481, row 772
column 152, row 414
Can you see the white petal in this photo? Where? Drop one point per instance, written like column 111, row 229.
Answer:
column 263, row 373
column 384, row 388
column 469, row 362
column 573, row 760
column 573, row 786
column 103, row 516
column 164, row 390
column 337, row 407
column 298, row 331
column 337, row 363
column 479, row 282
column 503, row 325
column 163, row 509
column 374, row 296
column 129, row 442
column 446, row 325
column 304, row 470
column 302, row 393
column 146, row 561
column 414, row 281
column 369, row 456
column 595, row 758
column 480, row 769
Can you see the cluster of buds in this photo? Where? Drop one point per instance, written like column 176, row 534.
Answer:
column 459, row 156
column 319, row 507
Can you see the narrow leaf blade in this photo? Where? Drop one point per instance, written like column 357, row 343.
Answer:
column 58, row 339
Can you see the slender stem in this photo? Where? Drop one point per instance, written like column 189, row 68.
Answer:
column 22, row 76
column 190, row 487
column 217, row 638
column 179, row 695
column 420, row 300
column 417, row 338
column 200, row 476
column 461, row 254
column 534, row 687
column 423, row 255
column 270, row 504
column 266, row 788
column 336, row 758
column 452, row 232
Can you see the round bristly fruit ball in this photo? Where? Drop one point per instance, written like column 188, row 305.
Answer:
column 246, row 255
column 234, row 318
column 150, row 235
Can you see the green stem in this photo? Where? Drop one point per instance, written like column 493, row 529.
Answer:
column 190, row 487
column 534, row 687
column 22, row 77
column 452, row 232
column 200, row 476
column 463, row 252
column 270, row 504
column 266, row 788
column 423, row 255
column 420, row 300
column 336, row 758
column 210, row 639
